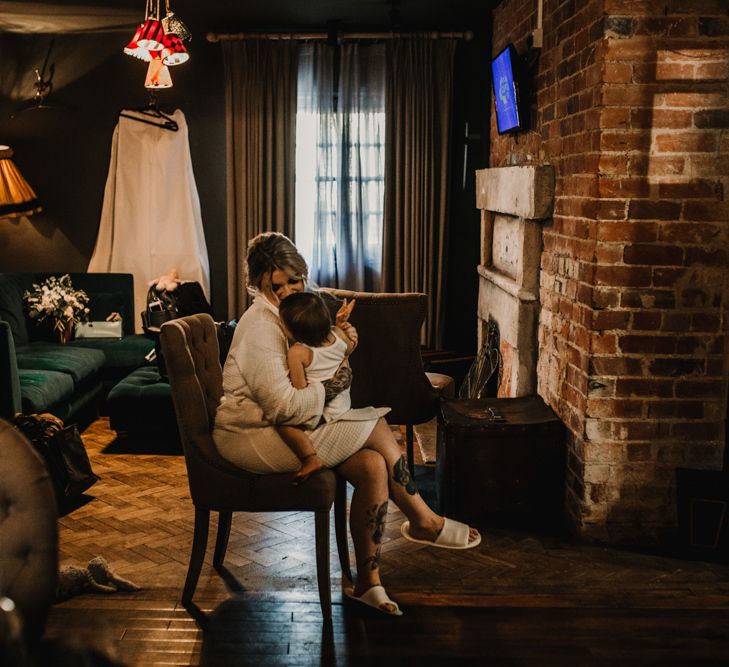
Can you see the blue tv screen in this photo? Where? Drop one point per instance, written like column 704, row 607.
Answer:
column 506, row 90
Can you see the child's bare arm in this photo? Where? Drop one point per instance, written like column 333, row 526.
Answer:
column 351, row 344
column 299, row 357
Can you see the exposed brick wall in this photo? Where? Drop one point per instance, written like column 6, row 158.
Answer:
column 631, row 110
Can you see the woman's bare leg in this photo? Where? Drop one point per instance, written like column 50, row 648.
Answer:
column 425, row 524
column 367, row 473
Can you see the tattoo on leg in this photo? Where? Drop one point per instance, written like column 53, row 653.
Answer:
column 373, row 561
column 401, row 475
column 376, row 521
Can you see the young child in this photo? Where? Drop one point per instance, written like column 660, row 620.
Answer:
column 317, row 352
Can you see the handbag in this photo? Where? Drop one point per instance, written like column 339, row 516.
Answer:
column 161, row 308
column 63, row 452
column 98, row 329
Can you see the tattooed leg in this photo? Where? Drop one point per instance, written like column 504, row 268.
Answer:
column 376, row 521
column 401, row 475
column 373, row 561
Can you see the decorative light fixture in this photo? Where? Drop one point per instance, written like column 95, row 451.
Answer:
column 158, row 76
column 160, row 43
column 16, row 196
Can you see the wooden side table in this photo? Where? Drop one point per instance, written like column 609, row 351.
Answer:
column 501, row 461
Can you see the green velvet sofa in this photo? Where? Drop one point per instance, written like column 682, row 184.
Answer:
column 38, row 374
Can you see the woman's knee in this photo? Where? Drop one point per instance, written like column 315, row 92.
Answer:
column 365, row 467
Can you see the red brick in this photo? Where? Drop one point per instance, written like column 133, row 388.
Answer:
column 706, row 211
column 608, row 253
column 699, row 389
column 718, row 71
column 604, row 344
column 628, row 231
column 663, row 165
column 650, row 388
column 620, row 365
column 617, row 72
column 676, row 366
column 649, row 209
column 696, row 100
column 641, row 451
column 707, row 257
column 614, row 117
column 636, row 344
column 627, row 188
column 625, row 276
column 667, row 277
column 653, row 254
column 641, row 49
column 625, row 140
column 689, row 233
column 672, row 118
column 680, row 409
column 611, row 210
column 675, row 72
column 613, row 164
column 610, row 319
column 647, row 298
column 686, row 142
column 646, row 320
column 707, row 322
column 676, row 322
column 697, row 188
column 697, row 431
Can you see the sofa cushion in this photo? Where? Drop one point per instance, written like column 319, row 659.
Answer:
column 78, row 362
column 123, row 355
column 40, row 389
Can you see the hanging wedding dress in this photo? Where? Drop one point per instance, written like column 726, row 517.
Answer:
column 150, row 219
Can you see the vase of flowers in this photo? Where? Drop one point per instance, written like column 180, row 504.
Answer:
column 55, row 300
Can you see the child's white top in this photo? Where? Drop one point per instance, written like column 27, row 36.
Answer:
column 324, row 363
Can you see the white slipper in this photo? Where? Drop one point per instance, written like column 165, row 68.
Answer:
column 374, row 597
column 453, row 536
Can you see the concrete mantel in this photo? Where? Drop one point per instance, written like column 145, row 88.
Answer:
column 525, row 192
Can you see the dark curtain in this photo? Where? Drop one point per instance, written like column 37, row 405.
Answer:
column 260, row 87
column 418, row 97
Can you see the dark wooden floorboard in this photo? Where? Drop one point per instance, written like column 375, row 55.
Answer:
column 518, row 599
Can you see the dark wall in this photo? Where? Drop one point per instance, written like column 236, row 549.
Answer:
column 64, row 153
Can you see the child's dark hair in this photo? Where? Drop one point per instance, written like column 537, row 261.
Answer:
column 307, row 317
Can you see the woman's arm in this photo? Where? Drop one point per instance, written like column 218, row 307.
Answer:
column 261, row 359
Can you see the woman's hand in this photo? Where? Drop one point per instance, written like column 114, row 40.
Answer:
column 336, row 384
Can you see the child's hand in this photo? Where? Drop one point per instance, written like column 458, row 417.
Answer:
column 344, row 312
column 308, row 467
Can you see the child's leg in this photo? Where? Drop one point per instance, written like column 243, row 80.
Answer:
column 300, row 444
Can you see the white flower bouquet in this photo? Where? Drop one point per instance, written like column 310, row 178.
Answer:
column 57, row 299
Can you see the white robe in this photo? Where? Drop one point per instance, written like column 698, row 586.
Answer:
column 151, row 220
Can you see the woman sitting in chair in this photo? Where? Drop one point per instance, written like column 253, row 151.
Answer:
column 257, row 394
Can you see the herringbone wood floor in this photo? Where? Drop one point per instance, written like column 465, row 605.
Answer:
column 517, row 599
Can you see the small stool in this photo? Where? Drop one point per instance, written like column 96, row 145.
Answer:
column 141, row 404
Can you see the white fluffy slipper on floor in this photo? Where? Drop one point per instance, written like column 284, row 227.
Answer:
column 453, row 536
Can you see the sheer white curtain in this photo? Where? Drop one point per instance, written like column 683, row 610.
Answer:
column 340, row 164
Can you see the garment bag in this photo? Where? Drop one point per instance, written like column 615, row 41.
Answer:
column 150, row 220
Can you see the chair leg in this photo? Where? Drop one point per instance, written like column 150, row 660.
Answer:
column 340, row 527
column 321, row 523
column 221, row 541
column 409, row 439
column 199, row 542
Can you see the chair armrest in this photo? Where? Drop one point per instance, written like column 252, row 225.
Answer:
column 10, row 399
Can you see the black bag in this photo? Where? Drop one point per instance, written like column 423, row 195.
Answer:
column 63, row 452
column 161, row 308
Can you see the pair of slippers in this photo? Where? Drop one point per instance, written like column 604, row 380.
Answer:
column 454, row 535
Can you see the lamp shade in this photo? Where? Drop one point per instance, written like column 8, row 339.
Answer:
column 174, row 51
column 151, row 35
column 158, row 76
column 16, row 196
column 134, row 49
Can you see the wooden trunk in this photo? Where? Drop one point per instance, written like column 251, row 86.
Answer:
column 501, row 461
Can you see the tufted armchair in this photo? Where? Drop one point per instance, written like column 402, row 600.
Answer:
column 387, row 367
column 28, row 531
column 190, row 346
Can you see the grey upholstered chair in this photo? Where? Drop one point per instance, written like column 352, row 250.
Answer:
column 28, row 531
column 387, row 367
column 190, row 347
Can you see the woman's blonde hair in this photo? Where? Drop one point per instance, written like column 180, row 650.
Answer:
column 270, row 251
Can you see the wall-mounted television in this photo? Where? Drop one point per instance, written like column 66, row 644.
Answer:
column 505, row 75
